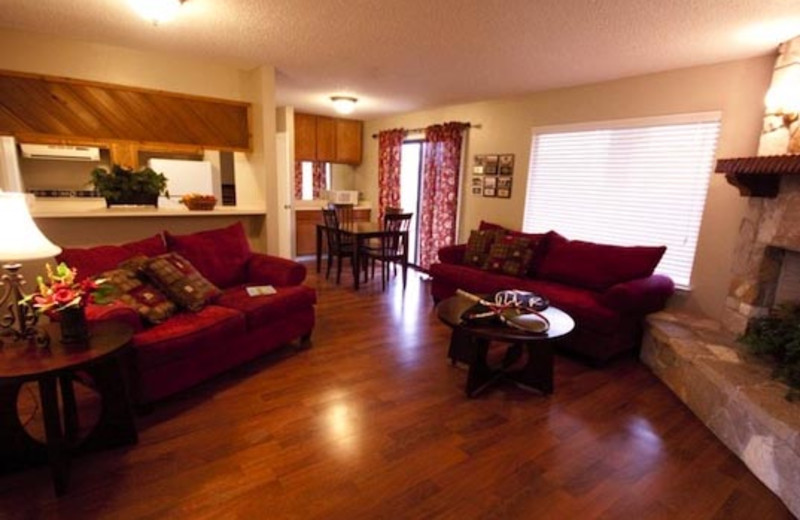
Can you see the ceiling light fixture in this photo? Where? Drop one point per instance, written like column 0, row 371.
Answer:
column 344, row 104
column 157, row 11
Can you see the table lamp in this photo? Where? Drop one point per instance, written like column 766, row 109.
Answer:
column 20, row 239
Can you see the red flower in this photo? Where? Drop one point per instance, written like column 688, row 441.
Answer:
column 64, row 295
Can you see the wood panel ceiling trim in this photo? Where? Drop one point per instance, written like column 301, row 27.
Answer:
column 53, row 107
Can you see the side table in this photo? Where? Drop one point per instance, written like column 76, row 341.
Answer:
column 470, row 344
column 102, row 357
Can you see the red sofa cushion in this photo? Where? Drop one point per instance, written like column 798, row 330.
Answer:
column 598, row 266
column 221, row 255
column 261, row 310
column 94, row 260
column 187, row 332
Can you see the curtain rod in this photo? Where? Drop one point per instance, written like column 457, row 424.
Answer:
column 420, row 130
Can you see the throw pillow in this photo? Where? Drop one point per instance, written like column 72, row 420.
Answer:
column 180, row 281
column 479, row 244
column 221, row 255
column 149, row 302
column 510, row 255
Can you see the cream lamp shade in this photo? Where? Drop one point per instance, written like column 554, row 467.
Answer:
column 20, row 239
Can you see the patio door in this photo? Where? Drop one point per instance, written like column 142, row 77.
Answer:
column 410, row 177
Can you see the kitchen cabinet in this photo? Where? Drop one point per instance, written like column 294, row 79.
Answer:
column 327, row 139
column 305, row 228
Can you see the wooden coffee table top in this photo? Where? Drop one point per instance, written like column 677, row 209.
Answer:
column 22, row 361
column 451, row 309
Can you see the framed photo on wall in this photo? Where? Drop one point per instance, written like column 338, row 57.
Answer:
column 488, row 192
column 477, row 164
column 490, row 164
column 504, row 193
column 490, row 182
column 504, row 183
column 477, row 190
column 477, row 182
column 506, row 164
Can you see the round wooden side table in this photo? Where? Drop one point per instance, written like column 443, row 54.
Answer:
column 103, row 359
column 470, row 344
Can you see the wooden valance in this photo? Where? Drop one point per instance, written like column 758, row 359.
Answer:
column 36, row 108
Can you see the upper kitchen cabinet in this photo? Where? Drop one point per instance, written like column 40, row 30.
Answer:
column 327, row 139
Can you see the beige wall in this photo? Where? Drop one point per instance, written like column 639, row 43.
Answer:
column 255, row 172
column 736, row 89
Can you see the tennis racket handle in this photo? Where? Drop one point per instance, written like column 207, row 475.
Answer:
column 472, row 297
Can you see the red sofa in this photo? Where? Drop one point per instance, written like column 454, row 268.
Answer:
column 606, row 289
column 190, row 347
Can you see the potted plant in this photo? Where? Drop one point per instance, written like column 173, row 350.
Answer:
column 125, row 186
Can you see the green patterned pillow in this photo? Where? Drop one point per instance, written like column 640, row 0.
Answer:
column 148, row 301
column 479, row 244
column 509, row 255
column 182, row 283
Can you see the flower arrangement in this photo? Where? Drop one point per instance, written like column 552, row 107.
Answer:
column 61, row 292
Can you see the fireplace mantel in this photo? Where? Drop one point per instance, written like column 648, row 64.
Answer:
column 758, row 176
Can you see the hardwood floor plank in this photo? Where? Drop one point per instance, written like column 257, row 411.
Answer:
column 372, row 422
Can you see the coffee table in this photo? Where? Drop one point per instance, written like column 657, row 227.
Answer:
column 102, row 357
column 470, row 344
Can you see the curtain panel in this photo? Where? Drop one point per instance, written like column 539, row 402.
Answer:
column 318, row 179
column 439, row 192
column 390, row 145
column 298, row 180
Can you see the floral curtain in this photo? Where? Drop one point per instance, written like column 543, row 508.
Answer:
column 298, row 180
column 441, row 158
column 319, row 182
column 390, row 144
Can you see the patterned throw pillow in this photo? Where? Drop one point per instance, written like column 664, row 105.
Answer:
column 182, row 283
column 479, row 244
column 148, row 301
column 509, row 255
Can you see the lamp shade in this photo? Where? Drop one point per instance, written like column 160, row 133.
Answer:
column 20, row 239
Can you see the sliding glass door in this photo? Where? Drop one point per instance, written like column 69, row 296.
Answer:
column 410, row 175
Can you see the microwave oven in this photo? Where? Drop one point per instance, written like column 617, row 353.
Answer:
column 343, row 197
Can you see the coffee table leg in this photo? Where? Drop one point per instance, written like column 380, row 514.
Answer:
column 56, row 444
column 538, row 372
column 479, row 375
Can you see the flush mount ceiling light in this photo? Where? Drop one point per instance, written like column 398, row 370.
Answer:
column 157, row 11
column 344, row 104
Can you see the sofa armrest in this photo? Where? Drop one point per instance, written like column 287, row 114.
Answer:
column 273, row 270
column 114, row 311
column 641, row 296
column 452, row 254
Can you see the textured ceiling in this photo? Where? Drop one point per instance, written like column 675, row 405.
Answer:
column 397, row 56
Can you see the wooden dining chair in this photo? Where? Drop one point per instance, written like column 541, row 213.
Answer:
column 345, row 214
column 390, row 248
column 338, row 247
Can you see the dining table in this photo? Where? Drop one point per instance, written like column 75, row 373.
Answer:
column 360, row 233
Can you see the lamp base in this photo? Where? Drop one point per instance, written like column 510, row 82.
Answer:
column 20, row 321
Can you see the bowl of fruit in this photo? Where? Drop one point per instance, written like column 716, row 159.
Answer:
column 198, row 202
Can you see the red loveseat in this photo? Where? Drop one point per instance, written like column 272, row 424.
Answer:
column 190, row 347
column 606, row 289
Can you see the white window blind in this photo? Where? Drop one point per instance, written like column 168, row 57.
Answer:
column 625, row 183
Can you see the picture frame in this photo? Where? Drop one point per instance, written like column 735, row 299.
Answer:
column 489, row 182
column 504, row 183
column 477, row 190
column 490, row 164
column 477, row 164
column 504, row 193
column 506, row 164
column 489, row 192
column 477, row 182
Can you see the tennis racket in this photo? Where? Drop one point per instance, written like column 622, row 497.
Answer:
column 522, row 318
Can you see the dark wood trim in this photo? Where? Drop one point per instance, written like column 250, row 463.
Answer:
column 758, row 176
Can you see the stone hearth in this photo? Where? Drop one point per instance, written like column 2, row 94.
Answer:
column 732, row 393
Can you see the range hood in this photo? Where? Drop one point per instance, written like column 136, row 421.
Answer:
column 60, row 153
column 758, row 176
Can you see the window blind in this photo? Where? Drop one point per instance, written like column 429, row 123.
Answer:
column 643, row 184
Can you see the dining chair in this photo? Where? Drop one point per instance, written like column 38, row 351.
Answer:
column 391, row 248
column 345, row 214
column 337, row 246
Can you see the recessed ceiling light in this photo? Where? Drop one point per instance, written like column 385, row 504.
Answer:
column 344, row 104
column 157, row 11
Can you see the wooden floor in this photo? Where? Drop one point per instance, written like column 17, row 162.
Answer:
column 372, row 422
